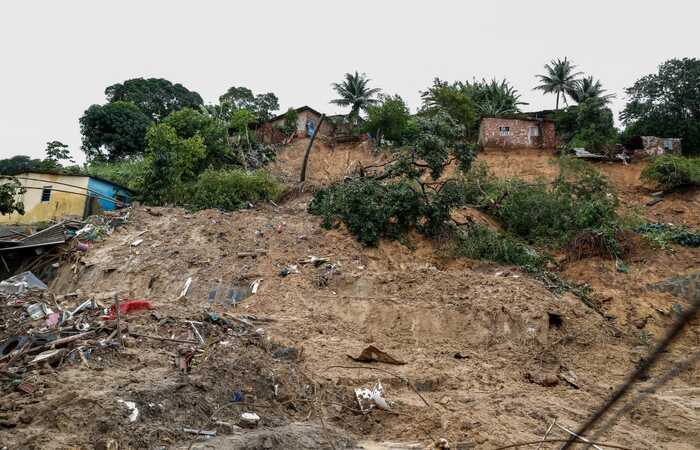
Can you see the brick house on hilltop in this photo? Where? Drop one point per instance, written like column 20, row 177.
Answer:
column 526, row 130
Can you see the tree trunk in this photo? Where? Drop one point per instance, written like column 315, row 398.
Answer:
column 302, row 178
column 557, row 108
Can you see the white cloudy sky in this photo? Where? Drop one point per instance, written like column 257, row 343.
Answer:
column 56, row 57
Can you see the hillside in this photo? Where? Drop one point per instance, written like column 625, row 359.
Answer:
column 491, row 355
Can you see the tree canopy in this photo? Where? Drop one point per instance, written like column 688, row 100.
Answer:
column 667, row 103
column 388, row 119
column 263, row 106
column 155, row 97
column 113, row 131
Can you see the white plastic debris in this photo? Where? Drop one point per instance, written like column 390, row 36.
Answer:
column 371, row 398
column 136, row 243
column 20, row 283
column 134, row 411
column 249, row 420
column 254, row 286
column 186, row 288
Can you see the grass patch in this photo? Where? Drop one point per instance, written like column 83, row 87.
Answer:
column 480, row 242
column 671, row 172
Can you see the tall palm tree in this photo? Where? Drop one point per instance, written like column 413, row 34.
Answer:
column 354, row 92
column 559, row 78
column 588, row 87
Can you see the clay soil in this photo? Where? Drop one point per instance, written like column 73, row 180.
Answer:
column 488, row 349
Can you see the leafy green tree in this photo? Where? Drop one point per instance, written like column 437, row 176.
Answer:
column 10, row 192
column 21, row 163
column 189, row 123
column 388, row 119
column 262, row 105
column 559, row 78
column 453, row 99
column 667, row 103
column 354, row 91
column 156, row 97
column 171, row 161
column 589, row 124
column 113, row 131
column 57, row 151
column 588, row 87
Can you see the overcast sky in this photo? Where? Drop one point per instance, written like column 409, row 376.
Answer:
column 57, row 57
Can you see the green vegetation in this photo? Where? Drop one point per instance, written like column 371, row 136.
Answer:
column 128, row 172
column 667, row 104
column 155, row 97
column 231, row 189
column 389, row 119
column 663, row 234
column 480, row 242
column 354, row 91
column 671, row 172
column 114, row 131
column 10, row 191
column 559, row 78
column 413, row 195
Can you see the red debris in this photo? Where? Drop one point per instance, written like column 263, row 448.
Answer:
column 128, row 307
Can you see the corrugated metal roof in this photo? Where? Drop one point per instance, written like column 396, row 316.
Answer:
column 53, row 235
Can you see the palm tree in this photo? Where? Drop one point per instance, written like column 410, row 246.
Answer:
column 354, row 92
column 587, row 88
column 494, row 98
column 560, row 78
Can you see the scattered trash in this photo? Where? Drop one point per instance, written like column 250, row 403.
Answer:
column 47, row 356
column 315, row 260
column 133, row 410
column 21, row 283
column 26, row 387
column 128, row 307
column 254, row 286
column 82, row 246
column 373, row 354
column 249, row 420
column 186, row 288
column 290, row 269
column 37, row 311
column 288, row 353
column 368, row 399
column 569, row 376
column 137, row 242
column 210, row 433
column 237, row 396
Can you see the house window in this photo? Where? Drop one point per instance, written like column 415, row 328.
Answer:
column 46, row 194
column 504, row 131
column 533, row 131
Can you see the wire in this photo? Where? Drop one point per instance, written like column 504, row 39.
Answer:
column 642, row 395
column 671, row 336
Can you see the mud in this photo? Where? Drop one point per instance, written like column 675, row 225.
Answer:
column 488, row 349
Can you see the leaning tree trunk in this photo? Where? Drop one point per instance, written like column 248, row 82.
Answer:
column 302, row 178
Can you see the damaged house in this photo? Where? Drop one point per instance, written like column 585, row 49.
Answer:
column 526, row 130
column 51, row 196
column 308, row 119
column 653, row 146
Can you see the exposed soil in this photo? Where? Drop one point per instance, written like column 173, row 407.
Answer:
column 488, row 349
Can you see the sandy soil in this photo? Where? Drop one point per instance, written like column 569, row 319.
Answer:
column 488, row 349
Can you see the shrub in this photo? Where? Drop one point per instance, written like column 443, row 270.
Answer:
column 480, row 242
column 671, row 171
column 370, row 210
column 128, row 172
column 231, row 189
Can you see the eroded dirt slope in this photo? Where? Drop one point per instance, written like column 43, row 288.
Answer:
column 488, row 348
